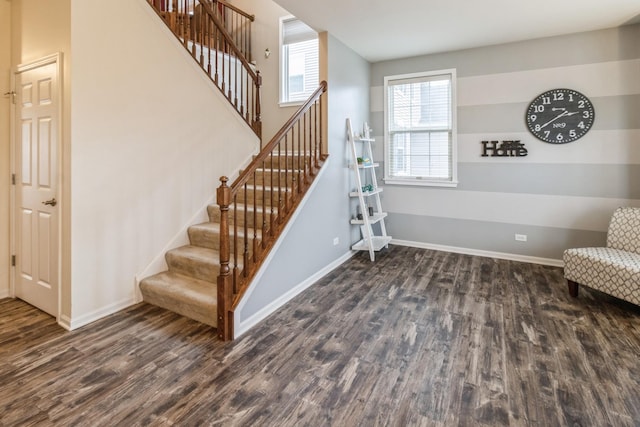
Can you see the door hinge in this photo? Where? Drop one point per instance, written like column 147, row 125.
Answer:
column 13, row 260
column 12, row 94
column 13, row 179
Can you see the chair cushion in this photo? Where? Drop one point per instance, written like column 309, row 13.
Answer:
column 613, row 271
column 624, row 230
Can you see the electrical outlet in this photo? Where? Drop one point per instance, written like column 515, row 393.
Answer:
column 336, row 240
column 521, row 237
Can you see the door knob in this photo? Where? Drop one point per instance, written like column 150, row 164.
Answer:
column 51, row 202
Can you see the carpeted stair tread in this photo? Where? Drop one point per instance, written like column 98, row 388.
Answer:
column 214, row 214
column 193, row 298
column 282, row 160
column 214, row 211
column 207, row 234
column 194, row 261
column 270, row 194
column 284, row 176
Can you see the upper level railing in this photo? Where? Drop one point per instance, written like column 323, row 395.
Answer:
column 218, row 36
column 237, row 23
column 256, row 207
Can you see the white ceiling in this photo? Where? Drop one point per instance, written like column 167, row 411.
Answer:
column 380, row 30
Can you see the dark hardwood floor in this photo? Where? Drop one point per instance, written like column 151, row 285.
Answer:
column 417, row 338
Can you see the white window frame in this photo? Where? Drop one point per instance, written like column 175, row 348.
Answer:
column 284, row 100
column 423, row 181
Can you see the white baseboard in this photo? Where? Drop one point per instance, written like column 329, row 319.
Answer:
column 85, row 319
column 243, row 326
column 65, row 322
column 478, row 252
column 4, row 293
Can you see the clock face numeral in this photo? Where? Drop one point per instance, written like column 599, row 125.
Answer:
column 559, row 116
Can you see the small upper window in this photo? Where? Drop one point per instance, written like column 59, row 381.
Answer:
column 298, row 61
column 420, row 123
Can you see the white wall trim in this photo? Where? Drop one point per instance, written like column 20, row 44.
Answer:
column 479, row 252
column 12, row 188
column 65, row 322
column 4, row 293
column 242, row 327
column 85, row 319
column 56, row 59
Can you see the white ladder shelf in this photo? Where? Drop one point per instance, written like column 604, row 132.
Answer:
column 361, row 171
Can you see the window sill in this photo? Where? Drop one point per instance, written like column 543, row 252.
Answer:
column 283, row 104
column 420, row 182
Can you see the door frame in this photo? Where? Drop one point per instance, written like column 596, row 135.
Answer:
column 55, row 58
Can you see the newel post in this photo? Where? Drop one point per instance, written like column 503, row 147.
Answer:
column 225, row 285
column 258, row 117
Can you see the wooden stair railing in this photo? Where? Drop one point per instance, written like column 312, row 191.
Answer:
column 218, row 36
column 237, row 22
column 283, row 170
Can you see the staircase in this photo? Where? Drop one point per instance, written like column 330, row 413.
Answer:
column 189, row 286
column 207, row 278
column 218, row 37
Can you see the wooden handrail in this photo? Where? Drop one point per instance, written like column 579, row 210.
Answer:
column 264, row 153
column 239, row 54
column 237, row 10
column 238, row 20
column 218, row 36
column 263, row 199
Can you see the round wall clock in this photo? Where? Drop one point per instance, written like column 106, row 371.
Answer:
column 559, row 116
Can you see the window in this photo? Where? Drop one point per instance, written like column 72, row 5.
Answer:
column 420, row 129
column 298, row 61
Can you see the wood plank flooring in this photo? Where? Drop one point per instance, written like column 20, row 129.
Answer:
column 417, row 338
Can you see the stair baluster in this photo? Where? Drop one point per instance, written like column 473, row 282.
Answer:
column 217, row 35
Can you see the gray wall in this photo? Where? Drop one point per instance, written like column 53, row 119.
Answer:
column 308, row 247
column 560, row 196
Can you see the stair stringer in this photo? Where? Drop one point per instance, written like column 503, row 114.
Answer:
column 242, row 325
column 181, row 238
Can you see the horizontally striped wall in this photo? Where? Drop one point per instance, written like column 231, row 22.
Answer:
column 560, row 196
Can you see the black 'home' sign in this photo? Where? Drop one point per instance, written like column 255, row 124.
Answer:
column 503, row 149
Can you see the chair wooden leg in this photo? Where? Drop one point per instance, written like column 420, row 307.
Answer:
column 573, row 288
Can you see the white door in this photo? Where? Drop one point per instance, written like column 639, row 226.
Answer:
column 36, row 197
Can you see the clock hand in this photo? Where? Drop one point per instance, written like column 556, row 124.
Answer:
column 564, row 113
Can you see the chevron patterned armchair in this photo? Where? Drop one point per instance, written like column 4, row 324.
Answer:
column 614, row 269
